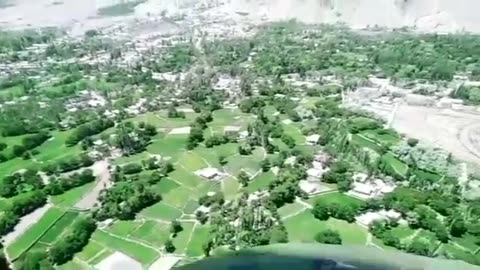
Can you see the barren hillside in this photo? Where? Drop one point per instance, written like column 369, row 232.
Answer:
column 425, row 15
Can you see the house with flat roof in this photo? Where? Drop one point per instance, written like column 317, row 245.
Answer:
column 210, row 173
column 312, row 139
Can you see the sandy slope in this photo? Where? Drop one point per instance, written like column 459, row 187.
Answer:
column 425, row 15
column 428, row 15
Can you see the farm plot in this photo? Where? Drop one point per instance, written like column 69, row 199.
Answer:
column 31, row 236
column 90, row 251
column 250, row 163
column 181, row 240
column 192, row 161
column 294, row 132
column 56, row 149
column 169, row 146
column 336, row 197
column 161, row 211
column 141, row 253
column 290, row 209
column 304, row 226
column 153, row 233
column 398, row 166
column 55, row 232
column 71, row 197
column 200, row 236
column 230, row 187
column 124, row 227
column 178, row 197
column 261, row 181
column 185, row 177
column 165, row 185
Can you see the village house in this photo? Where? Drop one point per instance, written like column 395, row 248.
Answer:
column 383, row 215
column 312, row 139
column 210, row 174
column 365, row 188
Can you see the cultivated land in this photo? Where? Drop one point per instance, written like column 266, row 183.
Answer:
column 191, row 144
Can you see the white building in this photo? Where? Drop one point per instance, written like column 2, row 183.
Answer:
column 369, row 189
column 210, row 173
column 312, row 139
column 314, row 174
column 165, row 262
column 119, row 261
column 368, row 218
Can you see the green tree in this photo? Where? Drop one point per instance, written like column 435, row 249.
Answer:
column 320, row 210
column 419, row 247
column 243, row 178
column 169, row 247
column 328, row 237
column 175, row 227
column 278, row 234
column 458, row 228
column 36, row 260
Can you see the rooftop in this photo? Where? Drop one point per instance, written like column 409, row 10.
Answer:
column 118, row 261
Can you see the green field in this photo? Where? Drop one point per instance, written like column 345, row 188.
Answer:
column 190, row 207
column 124, row 227
column 90, row 251
column 454, row 252
column 71, row 197
column 428, row 237
column 289, row 209
column 261, row 181
column 364, row 142
column 468, row 241
column 130, row 159
column 304, row 226
column 230, row 187
column 192, row 161
column 295, row 133
column 161, row 211
column 395, row 164
column 402, row 232
column 165, row 185
column 139, row 252
column 386, row 137
column 26, row 240
column 336, row 197
column 181, row 240
column 169, row 146
column 153, row 233
column 100, row 256
column 74, row 264
column 59, row 227
column 185, row 177
column 428, row 176
column 178, row 197
column 13, row 165
column 55, row 149
column 250, row 163
column 199, row 236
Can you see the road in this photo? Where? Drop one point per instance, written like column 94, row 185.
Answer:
column 101, row 171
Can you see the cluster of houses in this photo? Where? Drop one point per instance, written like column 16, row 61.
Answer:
column 313, row 185
column 366, row 188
